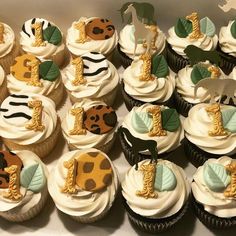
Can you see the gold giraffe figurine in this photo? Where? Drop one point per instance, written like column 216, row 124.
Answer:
column 70, row 184
column 196, row 34
column 34, row 78
column 14, row 183
column 2, row 33
column 153, row 28
column 37, row 26
column 36, row 120
column 149, row 173
column 146, row 68
column 218, row 128
column 78, row 124
column 157, row 125
column 231, row 189
column 215, row 72
column 79, row 69
column 80, row 26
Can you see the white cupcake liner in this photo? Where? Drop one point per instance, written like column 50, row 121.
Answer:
column 3, row 91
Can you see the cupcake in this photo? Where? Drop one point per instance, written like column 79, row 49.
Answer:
column 209, row 132
column 227, row 46
column 186, row 81
column 91, row 76
column 3, row 85
column 156, row 195
column 189, row 31
column 92, row 34
column 43, row 39
column 23, row 185
column 127, row 49
column 213, row 193
column 83, row 184
column 29, row 75
column 155, row 85
column 9, row 47
column 90, row 124
column 29, row 122
column 149, row 128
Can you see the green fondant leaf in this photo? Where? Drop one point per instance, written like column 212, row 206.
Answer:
column 142, row 122
column 229, row 119
column 216, row 177
column 53, row 35
column 183, row 28
column 159, row 66
column 165, row 179
column 48, row 70
column 207, row 27
column 233, row 29
column 198, row 73
column 33, row 178
column 170, row 119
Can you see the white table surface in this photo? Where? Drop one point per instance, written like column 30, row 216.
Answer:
column 51, row 221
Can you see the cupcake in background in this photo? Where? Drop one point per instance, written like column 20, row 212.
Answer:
column 29, row 75
column 29, row 122
column 84, row 184
column 214, row 193
column 133, row 37
column 43, row 39
column 23, row 185
column 189, row 31
column 9, row 47
column 148, row 80
column 91, row 76
column 90, row 124
column 92, row 34
column 3, row 85
column 156, row 195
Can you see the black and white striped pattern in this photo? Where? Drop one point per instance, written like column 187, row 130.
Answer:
column 94, row 64
column 27, row 26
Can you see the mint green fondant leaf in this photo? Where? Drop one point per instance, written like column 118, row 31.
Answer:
column 198, row 73
column 165, row 179
column 216, row 177
column 207, row 27
column 159, row 66
column 33, row 177
column 48, row 70
column 142, row 122
column 170, row 120
column 233, row 29
column 183, row 28
column 229, row 119
column 52, row 34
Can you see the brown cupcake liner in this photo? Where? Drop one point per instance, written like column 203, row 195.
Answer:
column 154, row 225
column 210, row 220
column 124, row 59
column 3, row 91
column 57, row 94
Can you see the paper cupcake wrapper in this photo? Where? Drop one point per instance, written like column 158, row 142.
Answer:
column 57, row 94
column 40, row 149
column 16, row 216
column 155, row 225
column 210, row 220
column 174, row 60
column 124, row 59
column 3, row 91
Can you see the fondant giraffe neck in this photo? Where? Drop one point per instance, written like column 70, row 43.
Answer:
column 78, row 124
column 80, row 26
column 146, row 67
column 37, row 26
column 34, row 79
column 153, row 28
column 1, row 33
column 79, row 69
column 196, row 33
column 215, row 71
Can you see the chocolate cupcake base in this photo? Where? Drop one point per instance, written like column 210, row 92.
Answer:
column 124, row 59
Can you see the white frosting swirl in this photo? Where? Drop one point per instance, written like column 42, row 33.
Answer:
column 9, row 40
column 14, row 128
column 127, row 44
column 43, row 52
column 88, row 140
column 214, row 202
column 105, row 46
column 197, row 125
column 83, row 203
column 226, row 40
column 159, row 89
column 30, row 199
column 164, row 143
column 179, row 44
column 2, row 76
column 166, row 204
